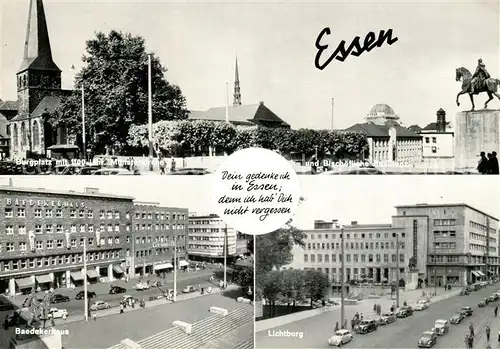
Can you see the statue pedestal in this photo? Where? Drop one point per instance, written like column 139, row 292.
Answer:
column 40, row 341
column 411, row 282
column 475, row 132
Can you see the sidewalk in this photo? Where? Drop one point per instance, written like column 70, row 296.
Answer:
column 149, row 304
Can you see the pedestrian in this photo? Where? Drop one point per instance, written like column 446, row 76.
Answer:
column 493, row 162
column 337, row 327
column 375, row 307
column 94, row 316
column 202, row 290
column 496, row 311
column 345, row 324
column 482, row 166
column 361, row 316
column 471, row 330
column 488, row 330
column 121, row 308
column 353, row 323
column 471, row 342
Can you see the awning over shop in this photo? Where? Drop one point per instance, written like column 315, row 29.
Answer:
column 476, row 273
column 480, row 273
column 489, row 271
column 92, row 273
column 183, row 263
column 118, row 269
column 77, row 275
column 42, row 279
column 162, row 266
column 24, row 283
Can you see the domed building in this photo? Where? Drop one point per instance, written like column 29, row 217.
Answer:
column 388, row 140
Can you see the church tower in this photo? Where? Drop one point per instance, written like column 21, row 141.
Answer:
column 237, row 92
column 38, row 75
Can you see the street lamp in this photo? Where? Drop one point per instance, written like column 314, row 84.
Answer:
column 342, row 284
column 150, row 114
column 225, row 255
column 84, row 146
column 85, row 279
column 175, row 267
column 397, row 269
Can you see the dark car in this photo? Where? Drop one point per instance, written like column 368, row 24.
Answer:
column 116, row 290
column 427, row 340
column 456, row 319
column 366, row 326
column 482, row 303
column 491, row 299
column 404, row 312
column 466, row 311
column 59, row 298
column 81, row 294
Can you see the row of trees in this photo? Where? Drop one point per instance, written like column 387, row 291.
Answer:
column 183, row 137
column 114, row 79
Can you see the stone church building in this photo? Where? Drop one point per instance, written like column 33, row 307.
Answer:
column 38, row 92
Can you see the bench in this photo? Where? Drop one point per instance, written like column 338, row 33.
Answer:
column 130, row 344
column 244, row 300
column 218, row 311
column 187, row 328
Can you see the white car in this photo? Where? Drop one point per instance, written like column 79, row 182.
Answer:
column 420, row 307
column 340, row 337
column 99, row 305
column 142, row 286
column 57, row 313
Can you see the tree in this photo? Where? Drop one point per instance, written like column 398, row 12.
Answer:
column 244, row 277
column 269, row 288
column 115, row 80
column 316, row 285
column 294, row 286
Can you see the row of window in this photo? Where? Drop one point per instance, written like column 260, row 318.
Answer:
column 477, row 247
column 444, row 259
column 20, row 212
column 355, row 245
column 159, row 227
column 445, row 245
column 444, row 233
column 355, row 236
column 169, row 240
column 9, row 265
column 445, row 222
column 475, row 236
column 206, row 247
column 205, row 221
column 209, row 238
column 481, row 227
column 158, row 252
column 49, row 244
column 206, row 230
column 363, row 258
column 159, row 215
column 352, row 273
column 60, row 228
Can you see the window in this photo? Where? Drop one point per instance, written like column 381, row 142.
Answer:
column 8, row 213
column 91, row 228
column 401, row 258
column 50, row 244
column 21, row 229
column 434, row 140
column 117, row 215
column 90, row 214
column 117, row 240
column 49, row 229
column 109, row 215
column 21, row 212
column 38, row 213
column 9, row 229
column 313, row 258
column 415, row 240
column 82, row 228
column 370, row 258
column 427, row 139
column 38, row 229
column 102, row 215
column 58, row 213
column 434, row 149
column 72, row 213
column 48, row 213
column 10, row 246
column 59, row 228
column 22, row 246
column 73, row 228
column 82, row 214
column 59, row 243
column 39, row 245
column 117, row 227
column 73, row 242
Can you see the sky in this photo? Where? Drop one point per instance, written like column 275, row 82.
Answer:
column 366, row 199
column 275, row 45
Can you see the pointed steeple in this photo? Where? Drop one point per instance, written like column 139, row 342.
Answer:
column 37, row 52
column 237, row 92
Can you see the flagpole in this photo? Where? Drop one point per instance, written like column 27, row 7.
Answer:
column 225, row 256
column 150, row 115
column 175, row 267
column 84, row 146
column 85, row 279
column 227, row 102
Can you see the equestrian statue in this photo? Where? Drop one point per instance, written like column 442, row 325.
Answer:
column 35, row 311
column 475, row 84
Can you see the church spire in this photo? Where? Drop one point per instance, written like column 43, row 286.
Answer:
column 237, row 93
column 37, row 51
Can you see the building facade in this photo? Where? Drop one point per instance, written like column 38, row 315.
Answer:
column 159, row 234
column 438, row 139
column 206, row 239
column 447, row 244
column 42, row 233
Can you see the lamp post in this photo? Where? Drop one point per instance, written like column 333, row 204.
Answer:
column 397, row 270
column 150, row 114
column 175, row 267
column 225, row 255
column 342, row 283
column 85, row 279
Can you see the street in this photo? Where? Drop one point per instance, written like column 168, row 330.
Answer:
column 404, row 333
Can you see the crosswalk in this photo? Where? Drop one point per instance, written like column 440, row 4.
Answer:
column 202, row 332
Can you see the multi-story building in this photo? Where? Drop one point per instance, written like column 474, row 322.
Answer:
column 206, row 239
column 451, row 243
column 42, row 233
column 157, row 233
column 445, row 244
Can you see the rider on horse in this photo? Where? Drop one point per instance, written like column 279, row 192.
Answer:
column 479, row 76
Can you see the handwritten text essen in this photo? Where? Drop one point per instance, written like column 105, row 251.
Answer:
column 355, row 48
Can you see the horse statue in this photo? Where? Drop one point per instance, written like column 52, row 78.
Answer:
column 489, row 86
column 35, row 311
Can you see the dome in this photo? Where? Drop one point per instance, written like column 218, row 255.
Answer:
column 381, row 110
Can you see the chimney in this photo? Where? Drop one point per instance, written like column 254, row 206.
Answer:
column 441, row 121
column 261, row 103
column 354, row 222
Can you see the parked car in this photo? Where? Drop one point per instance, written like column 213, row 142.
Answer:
column 59, row 298
column 427, row 340
column 456, row 318
column 425, row 302
column 57, row 313
column 491, row 299
column 442, row 327
column 190, row 171
column 366, row 326
column 156, row 284
column 189, row 289
column 126, row 298
column 87, row 170
column 404, row 312
column 388, row 318
column 81, row 294
column 99, row 305
column 420, row 307
column 466, row 311
column 340, row 337
column 114, row 172
column 141, row 286
column 117, row 289
column 482, row 303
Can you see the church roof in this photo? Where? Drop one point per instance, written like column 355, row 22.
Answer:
column 8, row 105
column 47, row 104
column 372, row 130
column 382, row 110
column 433, row 126
column 242, row 114
column 37, row 51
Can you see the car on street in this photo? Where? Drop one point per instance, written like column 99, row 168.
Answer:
column 366, row 326
column 57, row 313
column 59, row 298
column 388, row 318
column 189, row 289
column 340, row 337
column 141, row 286
column 114, row 172
column 156, row 283
column 456, row 318
column 81, row 295
column 482, row 303
column 491, row 299
column 466, row 311
column 185, row 171
column 87, row 170
column 442, row 327
column 362, row 170
column 99, row 305
column 117, row 289
column 171, row 292
column 126, row 298
column 420, row 307
column 427, row 340
column 424, row 302
column 404, row 312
